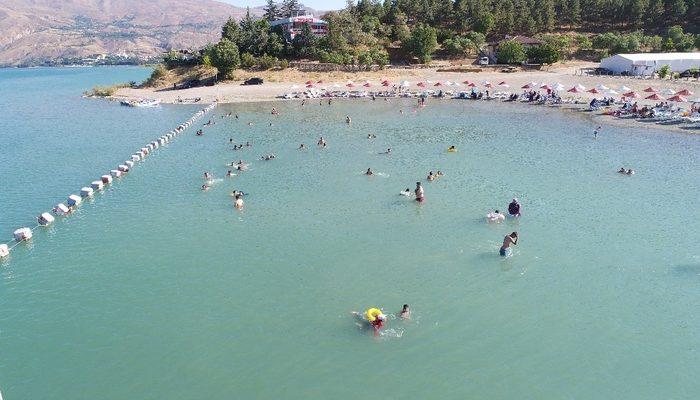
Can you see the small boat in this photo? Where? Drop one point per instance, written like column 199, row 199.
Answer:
column 141, row 103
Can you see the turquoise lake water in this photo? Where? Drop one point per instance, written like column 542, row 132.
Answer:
column 157, row 290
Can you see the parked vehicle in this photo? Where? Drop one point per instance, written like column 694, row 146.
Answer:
column 484, row 61
column 254, row 81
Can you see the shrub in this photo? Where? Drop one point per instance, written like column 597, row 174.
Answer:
column 284, row 64
column 511, row 52
column 267, row 62
column 247, row 61
column 664, row 71
column 225, row 57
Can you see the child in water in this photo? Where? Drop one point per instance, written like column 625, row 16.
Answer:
column 405, row 312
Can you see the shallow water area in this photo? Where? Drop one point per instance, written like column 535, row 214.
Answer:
column 157, row 289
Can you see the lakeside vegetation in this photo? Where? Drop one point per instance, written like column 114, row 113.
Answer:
column 376, row 33
column 107, row 91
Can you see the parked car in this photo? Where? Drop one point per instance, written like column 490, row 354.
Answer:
column 484, row 61
column 254, row 81
column 689, row 73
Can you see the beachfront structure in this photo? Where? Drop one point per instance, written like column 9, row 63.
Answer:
column 491, row 50
column 293, row 25
column 649, row 63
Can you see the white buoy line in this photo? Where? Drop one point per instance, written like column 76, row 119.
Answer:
column 73, row 201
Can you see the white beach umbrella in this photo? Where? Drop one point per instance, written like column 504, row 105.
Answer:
column 335, row 85
column 612, row 92
column 456, row 84
column 558, row 87
column 448, row 83
column 624, row 88
column 602, row 87
column 295, row 87
column 668, row 92
column 580, row 87
column 405, row 83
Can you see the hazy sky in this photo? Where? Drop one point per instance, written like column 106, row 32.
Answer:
column 315, row 4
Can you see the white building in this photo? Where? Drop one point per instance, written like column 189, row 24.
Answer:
column 648, row 63
column 294, row 24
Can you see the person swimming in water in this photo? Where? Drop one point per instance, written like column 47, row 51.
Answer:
column 321, row 141
column 207, row 176
column 621, row 171
column 509, row 240
column 595, row 132
column 369, row 172
column 452, row 148
column 439, row 174
column 205, row 187
column 495, row 217
column 405, row 312
column 229, row 174
column 514, row 208
column 348, row 120
column 630, row 171
column 406, row 192
column 238, row 203
column 419, row 192
column 301, row 146
column 431, row 177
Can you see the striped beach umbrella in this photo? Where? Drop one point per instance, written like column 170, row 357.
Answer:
column 650, row 90
column 678, row 98
column 685, row 92
column 632, row 94
column 655, row 97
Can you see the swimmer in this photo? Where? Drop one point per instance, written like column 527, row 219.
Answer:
column 250, row 123
column 321, row 142
column 301, row 146
column 439, row 174
column 495, row 217
column 348, row 120
column 630, row 172
column 247, row 144
column 229, row 174
column 514, row 208
column 230, row 140
column 369, row 172
column 274, row 111
column 205, row 187
column 419, row 192
column 406, row 192
column 388, row 151
column 401, row 112
column 452, row 148
column 239, row 202
column 207, row 176
column 405, row 312
column 431, row 177
column 595, row 132
column 509, row 240
column 621, row 171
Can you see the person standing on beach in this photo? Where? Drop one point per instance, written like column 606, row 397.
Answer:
column 509, row 240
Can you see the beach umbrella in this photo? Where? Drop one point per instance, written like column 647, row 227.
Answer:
column 668, row 92
column 335, row 85
column 624, row 88
column 309, row 85
column 503, row 84
column 385, row 83
column 558, row 87
column 612, row 91
column 350, row 85
column 602, row 87
column 654, row 96
column 472, row 84
column 295, row 87
column 633, row 95
column 367, row 84
column 309, row 82
column 448, row 83
column 420, row 84
column 650, row 90
column 456, row 84
column 438, row 84
column 320, row 81
column 678, row 98
column 405, row 83
column 546, row 87
column 526, row 86
column 685, row 92
column 466, row 82
column 487, row 84
column 594, row 91
column 574, row 90
column 580, row 87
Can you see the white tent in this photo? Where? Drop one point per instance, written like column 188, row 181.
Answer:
column 648, row 63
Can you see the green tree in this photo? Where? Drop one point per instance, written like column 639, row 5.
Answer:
column 484, row 23
column 288, row 6
column 305, row 42
column 664, row 71
column 655, row 13
column 247, row 61
column 422, row 43
column 224, row 57
column 272, row 11
column 231, row 31
column 575, row 12
column 511, row 52
column 677, row 10
column 545, row 54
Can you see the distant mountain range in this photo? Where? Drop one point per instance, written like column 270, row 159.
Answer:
column 35, row 32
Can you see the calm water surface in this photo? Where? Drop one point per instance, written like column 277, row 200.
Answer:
column 155, row 289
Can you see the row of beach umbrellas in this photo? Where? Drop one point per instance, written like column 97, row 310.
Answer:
column 652, row 93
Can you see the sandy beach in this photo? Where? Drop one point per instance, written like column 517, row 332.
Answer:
column 278, row 83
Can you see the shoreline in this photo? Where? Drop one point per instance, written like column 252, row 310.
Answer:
column 279, row 83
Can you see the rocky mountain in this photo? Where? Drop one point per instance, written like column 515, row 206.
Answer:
column 36, row 31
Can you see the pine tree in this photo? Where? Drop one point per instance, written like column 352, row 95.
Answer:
column 676, row 10
column 272, row 11
column 655, row 13
column 575, row 12
column 231, row 31
column 288, row 6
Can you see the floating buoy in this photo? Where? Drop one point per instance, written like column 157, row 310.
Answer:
column 74, row 200
column 106, row 179
column 86, row 192
column 135, row 157
column 123, row 168
column 129, row 163
column 61, row 209
column 97, row 185
column 45, row 219
column 22, row 234
column 4, row 252
column 150, row 147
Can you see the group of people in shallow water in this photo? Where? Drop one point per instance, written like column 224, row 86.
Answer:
column 626, row 172
column 375, row 318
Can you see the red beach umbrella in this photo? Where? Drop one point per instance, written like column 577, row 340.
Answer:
column 594, row 91
column 574, row 90
column 650, row 90
column 420, row 84
column 438, row 84
column 472, row 84
column 654, row 96
column 678, row 98
column 386, row 83
column 309, row 83
column 350, row 85
column 321, row 81
column 367, row 84
column 546, row 87
column 685, row 92
column 466, row 82
column 526, row 86
column 633, row 95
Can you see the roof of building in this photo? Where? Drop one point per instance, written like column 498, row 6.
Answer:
column 660, row 56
